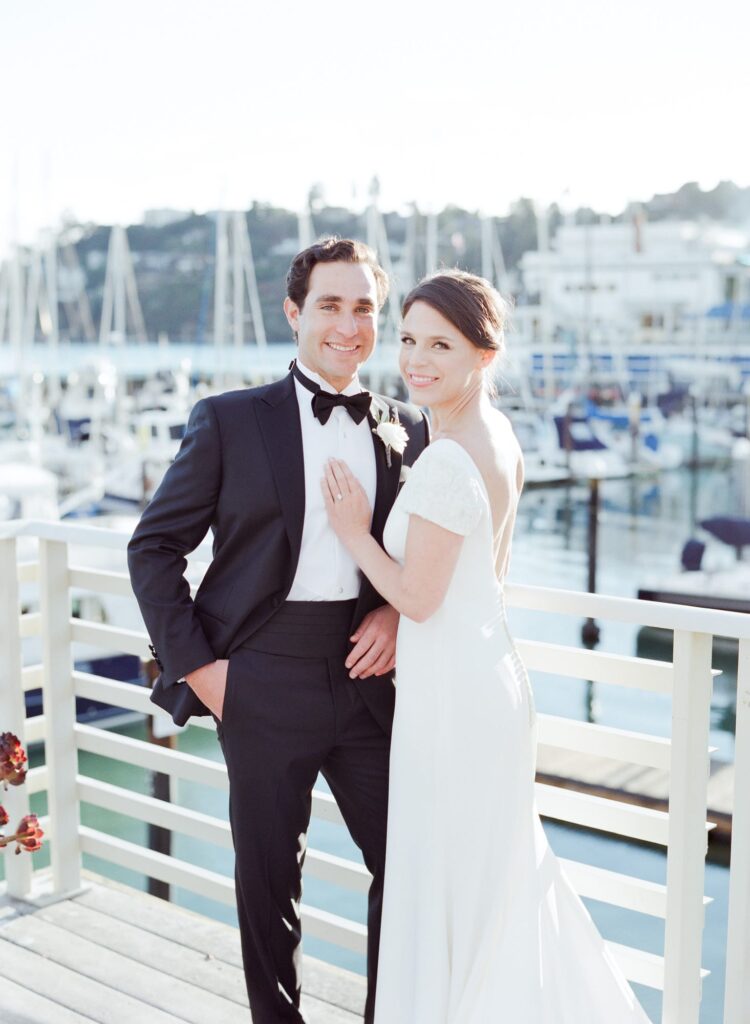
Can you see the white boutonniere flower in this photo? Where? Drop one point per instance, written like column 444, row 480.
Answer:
column 390, row 432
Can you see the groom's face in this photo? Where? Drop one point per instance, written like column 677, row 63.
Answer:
column 336, row 327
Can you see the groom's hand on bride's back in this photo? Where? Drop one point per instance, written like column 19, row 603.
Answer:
column 209, row 683
column 374, row 651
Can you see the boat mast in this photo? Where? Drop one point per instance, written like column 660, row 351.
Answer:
column 238, row 291
column 42, row 308
column 431, row 244
column 120, row 295
column 50, row 279
column 542, row 231
column 11, row 303
column 12, row 314
column 377, row 239
column 305, row 226
column 486, row 236
column 242, row 241
column 4, row 298
column 220, row 281
column 409, row 263
column 78, row 313
column 232, row 233
column 493, row 260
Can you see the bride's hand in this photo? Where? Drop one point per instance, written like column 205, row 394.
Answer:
column 348, row 509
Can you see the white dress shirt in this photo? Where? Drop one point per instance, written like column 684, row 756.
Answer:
column 326, row 571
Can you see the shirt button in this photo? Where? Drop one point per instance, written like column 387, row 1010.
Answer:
column 340, row 590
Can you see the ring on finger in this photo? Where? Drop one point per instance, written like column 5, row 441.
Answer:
column 339, row 497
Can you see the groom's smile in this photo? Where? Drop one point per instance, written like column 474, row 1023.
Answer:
column 336, row 326
column 342, row 348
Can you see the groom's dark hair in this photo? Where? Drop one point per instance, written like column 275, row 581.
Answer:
column 332, row 250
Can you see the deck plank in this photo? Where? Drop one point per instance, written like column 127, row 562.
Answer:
column 113, row 954
column 316, row 1012
column 185, row 928
column 151, row 960
column 72, row 989
column 20, row 1005
column 156, row 987
column 202, row 934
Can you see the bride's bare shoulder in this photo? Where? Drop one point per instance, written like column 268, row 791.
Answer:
column 508, row 454
column 503, row 436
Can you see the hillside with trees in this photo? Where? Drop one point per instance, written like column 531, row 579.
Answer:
column 174, row 263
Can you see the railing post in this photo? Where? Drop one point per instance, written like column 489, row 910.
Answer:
column 688, row 841
column 737, row 994
column 61, row 755
column 18, row 870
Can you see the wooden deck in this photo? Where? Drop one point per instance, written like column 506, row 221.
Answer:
column 648, row 787
column 118, row 956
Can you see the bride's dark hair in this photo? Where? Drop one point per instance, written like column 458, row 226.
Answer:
column 469, row 302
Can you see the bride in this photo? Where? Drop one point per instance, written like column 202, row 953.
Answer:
column 480, row 923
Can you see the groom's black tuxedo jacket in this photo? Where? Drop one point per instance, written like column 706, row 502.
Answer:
column 240, row 471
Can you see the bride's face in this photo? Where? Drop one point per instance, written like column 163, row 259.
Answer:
column 438, row 363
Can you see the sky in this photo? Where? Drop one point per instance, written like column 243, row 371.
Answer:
column 112, row 108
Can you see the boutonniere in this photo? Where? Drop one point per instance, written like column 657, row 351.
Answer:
column 390, row 432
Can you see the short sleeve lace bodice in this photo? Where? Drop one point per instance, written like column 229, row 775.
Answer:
column 442, row 488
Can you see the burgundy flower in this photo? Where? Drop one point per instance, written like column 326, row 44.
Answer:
column 3, row 816
column 29, row 835
column 12, row 759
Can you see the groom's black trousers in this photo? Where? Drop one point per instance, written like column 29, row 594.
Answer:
column 291, row 711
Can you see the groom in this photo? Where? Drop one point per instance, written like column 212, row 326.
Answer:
column 286, row 644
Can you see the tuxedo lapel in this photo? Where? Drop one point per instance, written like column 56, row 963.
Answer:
column 386, row 487
column 387, row 476
column 278, row 417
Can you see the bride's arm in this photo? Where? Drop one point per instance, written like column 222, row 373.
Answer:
column 417, row 588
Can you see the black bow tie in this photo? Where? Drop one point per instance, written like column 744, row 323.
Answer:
column 324, row 402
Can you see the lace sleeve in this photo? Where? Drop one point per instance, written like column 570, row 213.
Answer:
column 441, row 488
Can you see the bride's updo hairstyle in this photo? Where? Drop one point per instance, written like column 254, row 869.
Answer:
column 471, row 304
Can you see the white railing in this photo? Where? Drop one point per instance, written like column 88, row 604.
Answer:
column 682, row 830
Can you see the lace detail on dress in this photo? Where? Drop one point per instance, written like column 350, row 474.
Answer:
column 441, row 488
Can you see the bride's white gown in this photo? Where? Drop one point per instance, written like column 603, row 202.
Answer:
column 480, row 924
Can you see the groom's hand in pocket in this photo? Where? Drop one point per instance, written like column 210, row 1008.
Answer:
column 209, row 683
column 374, row 651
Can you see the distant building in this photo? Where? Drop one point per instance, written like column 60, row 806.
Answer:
column 162, row 217
column 640, row 281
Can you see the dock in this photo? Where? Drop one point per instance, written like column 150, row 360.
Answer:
column 115, row 955
column 636, row 784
